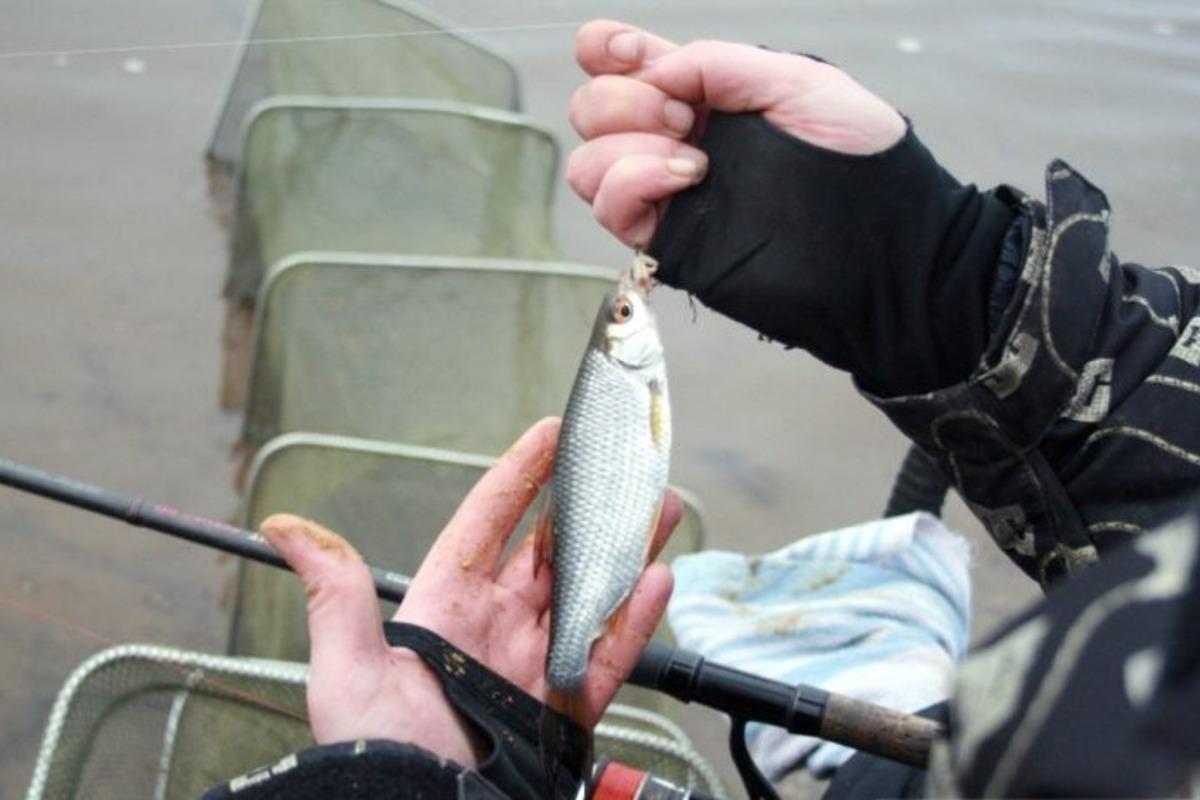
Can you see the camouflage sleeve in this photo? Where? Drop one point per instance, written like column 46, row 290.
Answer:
column 1092, row 693
column 1074, row 432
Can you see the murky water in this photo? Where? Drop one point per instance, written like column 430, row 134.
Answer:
column 110, row 269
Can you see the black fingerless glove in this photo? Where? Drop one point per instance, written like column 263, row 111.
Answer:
column 504, row 717
column 880, row 265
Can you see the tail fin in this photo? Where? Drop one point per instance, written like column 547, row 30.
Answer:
column 560, row 760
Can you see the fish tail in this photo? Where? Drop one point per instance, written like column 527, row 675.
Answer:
column 563, row 756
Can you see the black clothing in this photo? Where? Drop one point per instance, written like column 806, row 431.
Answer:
column 362, row 769
column 1053, row 385
column 1060, row 420
column 1094, row 692
column 879, row 265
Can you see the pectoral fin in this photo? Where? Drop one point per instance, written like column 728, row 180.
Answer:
column 650, row 534
column 543, row 538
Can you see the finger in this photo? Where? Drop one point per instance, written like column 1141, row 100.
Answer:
column 605, row 46
column 732, row 77
column 617, row 104
column 668, row 519
column 344, row 627
column 589, row 161
column 529, row 581
column 615, row 653
column 626, row 200
column 476, row 535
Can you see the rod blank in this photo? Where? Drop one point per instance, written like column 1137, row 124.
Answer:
column 171, row 521
column 685, row 675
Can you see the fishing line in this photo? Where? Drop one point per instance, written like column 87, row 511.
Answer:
column 41, row 615
column 179, row 46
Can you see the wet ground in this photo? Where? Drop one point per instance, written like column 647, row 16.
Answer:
column 110, row 268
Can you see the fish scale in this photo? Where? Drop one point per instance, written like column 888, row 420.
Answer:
column 609, row 477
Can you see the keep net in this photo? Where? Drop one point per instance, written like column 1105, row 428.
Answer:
column 141, row 721
column 388, row 177
column 390, row 501
column 462, row 354
column 358, row 48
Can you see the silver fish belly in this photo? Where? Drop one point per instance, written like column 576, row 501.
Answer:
column 609, row 477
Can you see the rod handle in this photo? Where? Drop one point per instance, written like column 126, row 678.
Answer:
column 872, row 728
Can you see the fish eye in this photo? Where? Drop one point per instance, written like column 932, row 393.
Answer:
column 622, row 310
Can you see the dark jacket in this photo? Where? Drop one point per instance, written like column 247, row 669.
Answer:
column 1054, row 385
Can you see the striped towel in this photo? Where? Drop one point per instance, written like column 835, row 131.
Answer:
column 878, row 611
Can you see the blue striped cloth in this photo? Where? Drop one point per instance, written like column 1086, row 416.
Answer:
column 879, row 611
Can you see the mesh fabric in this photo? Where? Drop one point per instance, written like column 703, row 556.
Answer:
column 390, row 501
column 293, row 51
column 141, row 721
column 453, row 353
column 388, row 177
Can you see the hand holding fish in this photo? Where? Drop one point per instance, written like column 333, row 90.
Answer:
column 647, row 99
column 495, row 610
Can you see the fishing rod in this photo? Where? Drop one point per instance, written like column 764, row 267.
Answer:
column 171, row 521
column 682, row 674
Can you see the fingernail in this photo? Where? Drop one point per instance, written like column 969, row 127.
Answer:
column 683, row 167
column 625, row 46
column 678, row 116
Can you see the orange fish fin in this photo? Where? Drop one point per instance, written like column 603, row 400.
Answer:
column 543, row 539
column 576, row 710
column 657, row 518
column 556, row 700
column 616, row 623
column 570, row 704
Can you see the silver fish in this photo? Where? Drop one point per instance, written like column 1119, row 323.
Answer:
column 609, row 476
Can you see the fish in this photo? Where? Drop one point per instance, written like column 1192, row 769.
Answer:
column 607, row 487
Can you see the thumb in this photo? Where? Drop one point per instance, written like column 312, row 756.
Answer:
column 811, row 100
column 721, row 75
column 344, row 626
column 729, row 77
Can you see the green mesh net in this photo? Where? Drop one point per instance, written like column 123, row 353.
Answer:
column 462, row 354
column 139, row 721
column 390, row 501
column 360, row 48
column 388, row 177
column 142, row 722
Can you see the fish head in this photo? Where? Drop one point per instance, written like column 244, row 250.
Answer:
column 626, row 330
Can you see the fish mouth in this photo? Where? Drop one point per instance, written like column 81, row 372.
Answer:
column 640, row 285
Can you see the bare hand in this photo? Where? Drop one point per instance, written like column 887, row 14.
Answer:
column 648, row 97
column 497, row 612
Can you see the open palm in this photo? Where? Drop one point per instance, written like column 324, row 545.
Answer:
column 494, row 609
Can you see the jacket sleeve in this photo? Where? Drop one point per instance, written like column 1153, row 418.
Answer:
column 362, row 770
column 1052, row 383
column 1093, row 692
column 1075, row 430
